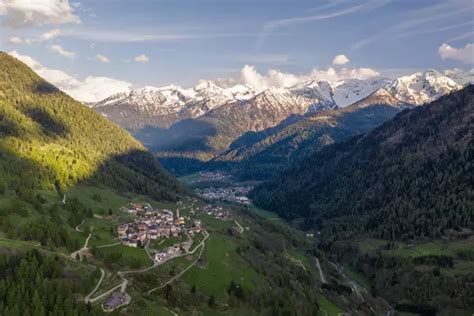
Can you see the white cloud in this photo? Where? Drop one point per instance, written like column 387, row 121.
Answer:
column 46, row 36
column 142, row 58
column 102, row 58
column 15, row 40
column 49, row 35
column 278, row 79
column 251, row 77
column 340, row 60
column 61, row 51
column 91, row 89
column 22, row 13
column 464, row 54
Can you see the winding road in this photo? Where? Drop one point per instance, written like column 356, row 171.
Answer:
column 123, row 285
column 202, row 245
column 87, row 298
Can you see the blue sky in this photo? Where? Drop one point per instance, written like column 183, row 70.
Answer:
column 182, row 41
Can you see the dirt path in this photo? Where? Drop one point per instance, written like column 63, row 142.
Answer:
column 321, row 274
column 83, row 249
column 292, row 259
column 87, row 298
column 109, row 245
column 354, row 285
column 77, row 227
column 239, row 227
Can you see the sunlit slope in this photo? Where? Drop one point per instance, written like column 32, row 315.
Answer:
column 50, row 141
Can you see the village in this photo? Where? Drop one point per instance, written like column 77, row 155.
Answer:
column 235, row 194
column 150, row 228
column 150, row 224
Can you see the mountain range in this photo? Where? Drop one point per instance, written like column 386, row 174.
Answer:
column 209, row 123
column 161, row 107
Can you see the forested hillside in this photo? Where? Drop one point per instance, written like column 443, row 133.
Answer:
column 410, row 178
column 34, row 284
column 50, row 141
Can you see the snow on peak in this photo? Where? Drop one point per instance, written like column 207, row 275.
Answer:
column 311, row 95
column 421, row 87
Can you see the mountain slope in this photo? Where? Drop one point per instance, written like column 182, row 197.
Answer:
column 210, row 134
column 269, row 154
column 50, row 141
column 411, row 177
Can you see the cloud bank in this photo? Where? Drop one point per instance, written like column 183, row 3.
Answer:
column 464, row 54
column 28, row 13
column 142, row 58
column 46, row 36
column 340, row 60
column 61, row 51
column 277, row 79
column 102, row 58
column 91, row 89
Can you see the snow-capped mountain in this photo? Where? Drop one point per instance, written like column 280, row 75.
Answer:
column 421, row 87
column 347, row 92
column 379, row 97
column 341, row 93
column 164, row 106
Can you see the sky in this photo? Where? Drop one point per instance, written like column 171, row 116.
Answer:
column 93, row 48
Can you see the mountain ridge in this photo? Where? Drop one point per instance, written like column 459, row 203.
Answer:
column 417, row 88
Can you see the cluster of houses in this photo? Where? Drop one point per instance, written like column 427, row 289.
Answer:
column 150, row 224
column 115, row 300
column 217, row 211
column 237, row 194
column 168, row 253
